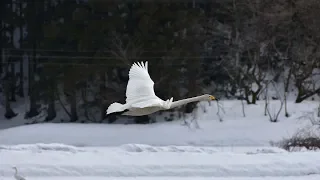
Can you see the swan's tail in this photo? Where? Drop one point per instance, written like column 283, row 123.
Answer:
column 115, row 107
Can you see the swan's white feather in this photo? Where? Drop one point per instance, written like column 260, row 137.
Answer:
column 147, row 103
column 141, row 98
column 140, row 92
column 115, row 107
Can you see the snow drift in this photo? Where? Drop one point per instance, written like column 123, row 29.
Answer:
column 158, row 162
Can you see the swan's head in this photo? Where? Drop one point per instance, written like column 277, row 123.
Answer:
column 210, row 97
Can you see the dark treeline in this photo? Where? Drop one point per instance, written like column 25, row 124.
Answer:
column 74, row 56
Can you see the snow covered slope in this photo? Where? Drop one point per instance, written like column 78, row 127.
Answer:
column 309, row 177
column 237, row 148
column 213, row 134
column 253, row 130
column 61, row 160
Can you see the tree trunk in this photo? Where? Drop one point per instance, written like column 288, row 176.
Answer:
column 86, row 104
column 301, row 96
column 247, row 94
column 255, row 96
column 1, row 54
column 102, row 92
column 51, row 111
column 1, row 40
column 286, row 89
column 73, row 106
column 33, row 111
column 9, row 112
column 51, row 105
column 12, row 65
column 13, row 82
column 21, row 78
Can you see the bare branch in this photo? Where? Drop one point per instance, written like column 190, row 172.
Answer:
column 125, row 51
column 219, row 106
column 274, row 117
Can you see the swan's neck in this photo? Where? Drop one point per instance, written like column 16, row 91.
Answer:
column 15, row 171
column 186, row 101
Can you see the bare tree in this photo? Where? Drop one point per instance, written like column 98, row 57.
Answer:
column 307, row 136
column 266, row 98
column 305, row 63
column 249, row 77
column 247, row 39
column 305, row 50
column 21, row 53
column 287, row 67
column 237, row 81
column 221, row 109
column 273, row 116
column 312, row 116
column 125, row 49
column 6, row 84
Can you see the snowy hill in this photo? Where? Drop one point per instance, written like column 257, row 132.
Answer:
column 253, row 130
column 236, row 148
column 119, row 162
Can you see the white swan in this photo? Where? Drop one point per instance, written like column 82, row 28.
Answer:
column 16, row 175
column 141, row 99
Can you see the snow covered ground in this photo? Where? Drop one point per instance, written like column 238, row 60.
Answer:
column 237, row 148
column 253, row 130
column 210, row 134
column 311, row 177
column 134, row 160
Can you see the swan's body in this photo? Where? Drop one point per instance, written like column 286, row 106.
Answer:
column 16, row 175
column 141, row 99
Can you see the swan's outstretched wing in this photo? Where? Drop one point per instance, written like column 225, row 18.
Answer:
column 147, row 103
column 140, row 87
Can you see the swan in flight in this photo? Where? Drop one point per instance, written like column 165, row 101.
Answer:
column 16, row 175
column 141, row 99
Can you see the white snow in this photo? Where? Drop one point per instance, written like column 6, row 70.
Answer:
column 213, row 134
column 310, row 177
column 121, row 162
column 253, row 130
column 237, row 148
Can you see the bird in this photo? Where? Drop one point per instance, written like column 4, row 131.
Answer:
column 16, row 175
column 140, row 96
